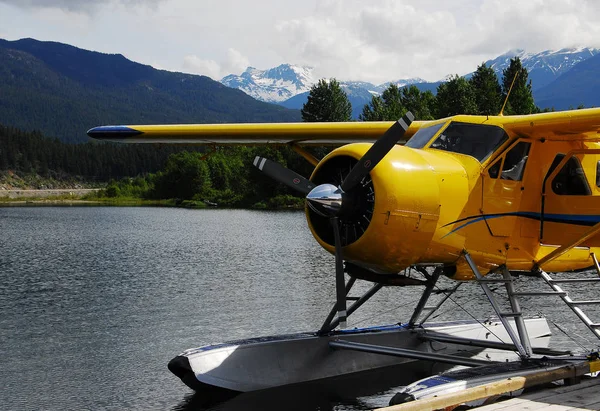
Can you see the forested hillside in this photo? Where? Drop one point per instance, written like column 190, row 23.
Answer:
column 31, row 152
column 150, row 171
column 63, row 91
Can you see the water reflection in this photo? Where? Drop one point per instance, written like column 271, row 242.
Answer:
column 363, row 392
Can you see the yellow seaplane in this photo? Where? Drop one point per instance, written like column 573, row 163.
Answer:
column 472, row 198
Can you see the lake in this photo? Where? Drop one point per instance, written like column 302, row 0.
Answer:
column 96, row 300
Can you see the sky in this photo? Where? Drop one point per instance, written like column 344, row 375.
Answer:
column 368, row 40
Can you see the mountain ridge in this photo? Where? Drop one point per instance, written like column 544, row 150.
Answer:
column 63, row 91
column 544, row 68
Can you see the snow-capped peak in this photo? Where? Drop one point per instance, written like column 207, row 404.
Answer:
column 272, row 85
column 545, row 66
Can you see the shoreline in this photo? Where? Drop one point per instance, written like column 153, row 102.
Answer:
column 73, row 200
column 21, row 193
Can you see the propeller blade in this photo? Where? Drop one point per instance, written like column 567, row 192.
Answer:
column 284, row 175
column 377, row 151
column 340, row 281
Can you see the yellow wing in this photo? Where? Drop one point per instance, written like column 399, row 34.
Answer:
column 574, row 125
column 254, row 133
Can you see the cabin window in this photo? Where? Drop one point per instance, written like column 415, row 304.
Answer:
column 423, row 135
column 571, row 180
column 514, row 163
column 475, row 140
column 598, row 174
column 494, row 170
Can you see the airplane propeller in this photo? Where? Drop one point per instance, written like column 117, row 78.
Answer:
column 330, row 201
column 284, row 175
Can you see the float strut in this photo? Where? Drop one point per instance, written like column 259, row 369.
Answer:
column 424, row 297
column 501, row 315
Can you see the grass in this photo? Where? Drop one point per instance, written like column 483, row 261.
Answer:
column 96, row 198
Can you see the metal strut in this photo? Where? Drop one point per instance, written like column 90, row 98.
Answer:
column 521, row 341
column 432, row 280
column 421, row 305
column 330, row 323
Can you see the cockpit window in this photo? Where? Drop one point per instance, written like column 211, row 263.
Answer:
column 422, row 137
column 514, row 164
column 475, row 140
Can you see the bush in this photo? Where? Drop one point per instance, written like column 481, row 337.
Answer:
column 113, row 191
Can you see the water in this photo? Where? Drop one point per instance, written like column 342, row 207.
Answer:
column 96, row 300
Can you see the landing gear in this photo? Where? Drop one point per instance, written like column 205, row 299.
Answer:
column 429, row 281
column 521, row 339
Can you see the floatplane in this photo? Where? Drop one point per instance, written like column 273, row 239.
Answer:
column 471, row 198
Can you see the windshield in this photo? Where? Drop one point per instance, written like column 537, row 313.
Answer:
column 475, row 140
column 423, row 135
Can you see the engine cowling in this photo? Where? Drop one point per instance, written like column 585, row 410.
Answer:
column 388, row 220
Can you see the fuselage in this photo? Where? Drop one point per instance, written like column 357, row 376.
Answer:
column 446, row 193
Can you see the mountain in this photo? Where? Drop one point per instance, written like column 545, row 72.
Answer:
column 400, row 83
column 273, row 85
column 63, row 91
column 289, row 85
column 546, row 66
column 578, row 86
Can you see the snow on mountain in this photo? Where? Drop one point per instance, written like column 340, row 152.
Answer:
column 400, row 83
column 273, row 85
column 546, row 66
column 287, row 81
column 283, row 82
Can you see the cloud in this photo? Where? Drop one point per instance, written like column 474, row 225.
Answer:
column 389, row 39
column 234, row 62
column 78, row 5
column 375, row 41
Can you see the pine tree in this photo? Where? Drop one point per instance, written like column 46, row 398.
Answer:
column 374, row 111
column 488, row 93
column 327, row 102
column 520, row 100
column 456, row 96
column 394, row 102
column 388, row 106
column 421, row 104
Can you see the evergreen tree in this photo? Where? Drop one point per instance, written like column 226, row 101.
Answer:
column 421, row 104
column 456, row 96
column 394, row 102
column 327, row 102
column 520, row 100
column 388, row 106
column 374, row 111
column 488, row 93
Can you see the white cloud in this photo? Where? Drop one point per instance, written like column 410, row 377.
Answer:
column 392, row 39
column 234, row 63
column 206, row 67
column 378, row 41
column 77, row 5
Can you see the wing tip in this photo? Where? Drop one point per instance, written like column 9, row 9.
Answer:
column 113, row 132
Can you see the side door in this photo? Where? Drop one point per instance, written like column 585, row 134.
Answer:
column 503, row 188
column 571, row 198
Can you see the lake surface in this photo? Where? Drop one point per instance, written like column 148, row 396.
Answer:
column 96, row 300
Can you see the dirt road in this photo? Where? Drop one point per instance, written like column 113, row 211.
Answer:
column 75, row 192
